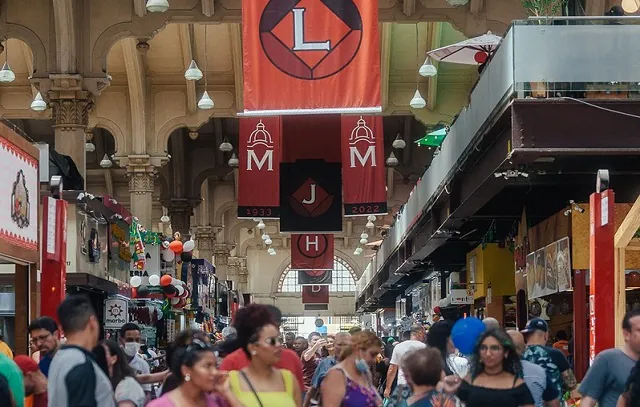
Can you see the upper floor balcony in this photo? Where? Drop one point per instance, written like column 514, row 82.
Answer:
column 568, row 60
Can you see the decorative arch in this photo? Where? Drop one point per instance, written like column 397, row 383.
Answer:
column 343, row 279
column 235, row 229
column 220, row 172
column 40, row 54
column 115, row 130
column 223, row 209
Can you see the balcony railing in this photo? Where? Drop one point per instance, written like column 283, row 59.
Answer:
column 571, row 58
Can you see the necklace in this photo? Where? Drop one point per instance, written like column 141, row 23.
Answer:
column 493, row 374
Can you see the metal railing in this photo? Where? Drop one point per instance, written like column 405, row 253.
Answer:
column 585, row 57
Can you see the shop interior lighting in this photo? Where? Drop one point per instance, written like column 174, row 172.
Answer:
column 6, row 74
column 428, row 69
column 261, row 225
column 106, row 162
column 234, row 162
column 418, row 101
column 205, row 102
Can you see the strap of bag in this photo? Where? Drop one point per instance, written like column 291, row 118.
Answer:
column 255, row 393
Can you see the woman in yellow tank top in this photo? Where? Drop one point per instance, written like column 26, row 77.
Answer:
column 260, row 384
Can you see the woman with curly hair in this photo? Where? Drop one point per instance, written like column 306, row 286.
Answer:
column 349, row 383
column 260, row 384
column 495, row 378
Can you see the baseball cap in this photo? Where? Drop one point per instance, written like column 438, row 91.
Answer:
column 536, row 324
column 26, row 364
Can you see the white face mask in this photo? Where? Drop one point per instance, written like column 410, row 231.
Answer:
column 131, row 348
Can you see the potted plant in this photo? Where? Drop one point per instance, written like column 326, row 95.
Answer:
column 541, row 8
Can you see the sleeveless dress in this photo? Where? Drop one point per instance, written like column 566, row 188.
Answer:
column 356, row 395
column 263, row 399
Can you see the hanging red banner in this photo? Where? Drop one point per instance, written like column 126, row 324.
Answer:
column 304, row 50
column 315, row 294
column 259, row 171
column 312, row 252
column 363, row 171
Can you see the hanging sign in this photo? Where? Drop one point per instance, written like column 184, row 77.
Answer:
column 310, row 196
column 116, row 313
column 305, row 50
column 315, row 294
column 314, row 277
column 259, row 172
column 312, row 252
column 461, row 296
column 363, row 171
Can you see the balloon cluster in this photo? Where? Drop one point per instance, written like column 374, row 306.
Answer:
column 173, row 247
column 175, row 290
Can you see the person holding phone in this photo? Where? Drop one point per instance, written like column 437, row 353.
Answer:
column 311, row 358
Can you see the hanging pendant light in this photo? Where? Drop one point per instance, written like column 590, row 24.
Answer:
column 193, row 73
column 225, row 146
column 268, row 241
column 157, row 6
column 165, row 219
column 371, row 218
column 6, row 74
column 106, row 162
column 261, row 225
column 370, row 225
column 417, row 102
column 392, row 161
column 265, row 237
column 428, row 69
column 89, row 147
column 38, row 104
column 271, row 251
column 398, row 143
column 205, row 102
column 234, row 162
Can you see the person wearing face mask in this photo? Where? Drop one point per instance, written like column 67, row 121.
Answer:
column 111, row 359
column 349, row 383
column 75, row 379
column 261, row 384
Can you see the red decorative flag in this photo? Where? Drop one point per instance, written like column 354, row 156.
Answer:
column 363, row 171
column 297, row 53
column 315, row 294
column 259, row 172
column 312, row 252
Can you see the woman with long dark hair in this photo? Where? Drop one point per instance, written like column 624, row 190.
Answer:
column 349, row 383
column 111, row 358
column 495, row 377
column 631, row 395
column 440, row 338
column 261, row 384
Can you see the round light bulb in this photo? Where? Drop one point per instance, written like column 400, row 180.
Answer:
column 370, row 225
column 428, row 69
column 165, row 219
column 364, row 241
column 398, row 143
column 225, row 146
column 261, row 225
column 371, row 218
column 157, row 6
column 418, row 101
column 106, row 162
column 89, row 147
column 6, row 74
column 268, row 241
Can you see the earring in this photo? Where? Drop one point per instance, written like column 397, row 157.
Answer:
column 253, row 353
column 187, row 377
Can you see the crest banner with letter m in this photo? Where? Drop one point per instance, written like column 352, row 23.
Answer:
column 310, row 57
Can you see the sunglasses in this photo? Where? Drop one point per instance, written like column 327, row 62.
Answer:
column 273, row 341
column 197, row 346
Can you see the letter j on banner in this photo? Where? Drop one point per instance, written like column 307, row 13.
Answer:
column 363, row 171
column 295, row 50
column 260, row 149
column 312, row 252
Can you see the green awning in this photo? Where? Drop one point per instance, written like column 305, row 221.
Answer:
column 433, row 139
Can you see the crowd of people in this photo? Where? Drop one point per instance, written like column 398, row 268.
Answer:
column 255, row 366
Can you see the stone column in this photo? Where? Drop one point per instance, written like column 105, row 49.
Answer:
column 221, row 261
column 142, row 172
column 71, row 117
column 180, row 212
column 205, row 241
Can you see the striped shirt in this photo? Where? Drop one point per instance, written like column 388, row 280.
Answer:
column 539, row 383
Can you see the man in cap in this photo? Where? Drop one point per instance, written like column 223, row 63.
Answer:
column 536, row 332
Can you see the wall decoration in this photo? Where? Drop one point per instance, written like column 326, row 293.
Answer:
column 20, row 201
column 551, row 272
column 531, row 274
column 563, row 265
column 540, row 272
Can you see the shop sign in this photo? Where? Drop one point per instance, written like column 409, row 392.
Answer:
column 20, row 196
column 116, row 313
column 461, row 296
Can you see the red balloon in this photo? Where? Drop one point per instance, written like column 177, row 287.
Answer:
column 165, row 280
column 481, row 57
column 134, row 292
column 176, row 246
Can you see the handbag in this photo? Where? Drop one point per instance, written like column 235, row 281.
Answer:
column 255, row 393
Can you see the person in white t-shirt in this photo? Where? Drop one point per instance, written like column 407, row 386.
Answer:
column 402, row 391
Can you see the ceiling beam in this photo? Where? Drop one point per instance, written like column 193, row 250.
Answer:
column 409, row 7
column 140, row 7
column 208, row 8
column 385, row 62
column 136, row 80
column 434, row 41
column 64, row 12
column 235, row 35
column 629, row 226
column 187, row 44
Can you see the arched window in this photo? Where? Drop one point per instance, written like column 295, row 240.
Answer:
column 343, row 279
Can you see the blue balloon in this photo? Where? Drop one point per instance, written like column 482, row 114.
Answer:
column 465, row 334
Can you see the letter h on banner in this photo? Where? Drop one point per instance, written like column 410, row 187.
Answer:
column 312, row 252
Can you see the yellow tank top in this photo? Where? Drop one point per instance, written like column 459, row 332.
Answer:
column 267, row 399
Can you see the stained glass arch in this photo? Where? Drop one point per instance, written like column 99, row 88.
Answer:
column 343, row 278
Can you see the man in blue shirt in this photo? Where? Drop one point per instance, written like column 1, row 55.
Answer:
column 44, row 336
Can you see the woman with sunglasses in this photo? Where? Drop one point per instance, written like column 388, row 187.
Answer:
column 495, row 378
column 260, row 384
column 201, row 384
column 349, row 383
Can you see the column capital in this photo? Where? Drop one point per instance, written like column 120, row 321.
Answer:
column 141, row 162
column 205, row 238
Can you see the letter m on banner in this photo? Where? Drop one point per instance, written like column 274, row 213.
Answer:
column 363, row 171
column 260, row 149
column 312, row 252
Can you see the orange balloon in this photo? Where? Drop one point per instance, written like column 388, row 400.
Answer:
column 165, row 280
column 176, row 246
